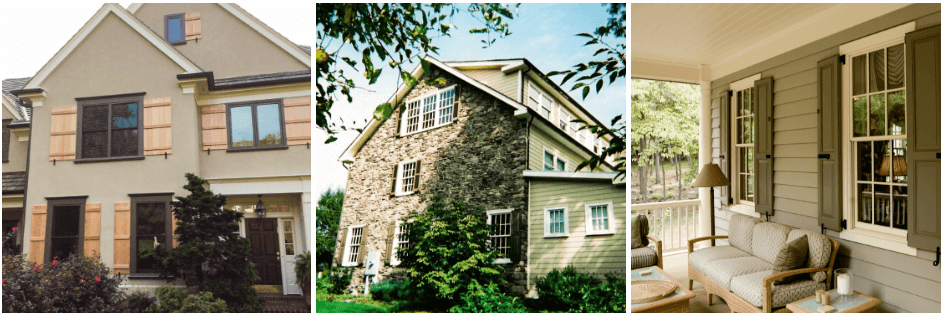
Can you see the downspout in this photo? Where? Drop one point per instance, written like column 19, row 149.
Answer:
column 29, row 147
column 704, row 150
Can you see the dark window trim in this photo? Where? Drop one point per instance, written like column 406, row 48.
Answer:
column 109, row 100
column 255, row 124
column 6, row 140
column 183, row 29
column 51, row 204
column 168, row 224
column 272, row 147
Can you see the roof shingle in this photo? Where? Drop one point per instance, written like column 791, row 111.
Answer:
column 14, row 182
column 16, row 84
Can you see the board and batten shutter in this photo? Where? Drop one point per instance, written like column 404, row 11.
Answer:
column 298, row 120
column 340, row 244
column 829, row 147
column 37, row 240
column 389, row 242
column 193, row 26
column 214, row 127
column 123, row 237
column 158, row 137
column 923, row 135
column 62, row 133
column 763, row 145
column 725, row 195
column 93, row 219
column 361, row 257
column 514, row 253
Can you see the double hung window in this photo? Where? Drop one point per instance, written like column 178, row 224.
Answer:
column 599, row 219
column 65, row 228
column 429, row 111
column 541, row 101
column 500, row 221
column 744, row 145
column 400, row 241
column 407, row 177
column 110, row 127
column 256, row 125
column 553, row 162
column 352, row 252
column 564, row 120
column 556, row 221
column 152, row 227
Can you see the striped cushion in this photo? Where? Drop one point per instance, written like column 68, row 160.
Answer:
column 701, row 258
column 644, row 257
column 750, row 288
column 722, row 271
column 741, row 231
column 768, row 239
column 820, row 251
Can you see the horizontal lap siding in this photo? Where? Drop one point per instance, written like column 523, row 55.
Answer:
column 588, row 254
column 494, row 78
column 540, row 140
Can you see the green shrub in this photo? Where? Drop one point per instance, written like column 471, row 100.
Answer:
column 138, row 302
column 323, row 285
column 562, row 291
column 338, row 279
column 76, row 284
column 656, row 196
column 389, row 291
column 487, row 299
column 303, row 268
column 608, row 297
column 671, row 195
column 173, row 300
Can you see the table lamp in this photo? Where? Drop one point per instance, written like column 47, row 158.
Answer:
column 711, row 177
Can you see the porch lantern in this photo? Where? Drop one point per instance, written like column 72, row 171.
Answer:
column 260, row 208
column 711, row 177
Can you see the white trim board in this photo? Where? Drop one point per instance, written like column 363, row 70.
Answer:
column 745, row 82
column 569, row 175
column 87, row 29
column 8, row 104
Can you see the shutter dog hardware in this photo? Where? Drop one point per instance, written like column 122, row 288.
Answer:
column 937, row 262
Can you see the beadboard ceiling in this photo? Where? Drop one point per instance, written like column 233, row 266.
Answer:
column 724, row 36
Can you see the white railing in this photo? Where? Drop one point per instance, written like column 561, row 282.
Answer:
column 674, row 222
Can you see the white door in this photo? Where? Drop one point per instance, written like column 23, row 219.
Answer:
column 289, row 250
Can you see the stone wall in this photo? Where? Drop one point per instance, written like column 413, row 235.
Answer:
column 480, row 157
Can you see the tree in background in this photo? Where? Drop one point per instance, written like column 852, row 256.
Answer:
column 327, row 220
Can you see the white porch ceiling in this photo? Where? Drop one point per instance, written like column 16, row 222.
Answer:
column 727, row 37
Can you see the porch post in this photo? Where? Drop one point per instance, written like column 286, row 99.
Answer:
column 704, row 151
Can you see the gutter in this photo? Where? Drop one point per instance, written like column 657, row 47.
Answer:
column 212, row 86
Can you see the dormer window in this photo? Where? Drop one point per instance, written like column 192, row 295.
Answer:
column 428, row 111
column 174, row 29
column 540, row 101
column 564, row 119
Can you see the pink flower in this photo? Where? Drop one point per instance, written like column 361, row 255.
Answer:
column 81, row 281
column 35, row 267
column 97, row 279
column 3, row 281
column 14, row 229
column 54, row 262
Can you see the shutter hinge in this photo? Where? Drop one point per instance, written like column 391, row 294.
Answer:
column 844, row 224
column 841, row 59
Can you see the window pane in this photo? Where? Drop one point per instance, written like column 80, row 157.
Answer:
column 739, row 103
column 289, row 250
column 124, row 142
column 876, row 70
column 863, row 160
column 94, row 144
column 739, row 131
column 145, row 243
column 173, row 29
column 881, row 157
column 858, row 75
column 63, row 247
column 864, row 203
column 287, row 226
column 289, row 239
column 877, row 115
column 548, row 161
column 65, row 221
column 748, row 130
column 124, row 115
column 895, row 66
column 150, row 219
column 860, row 105
column 561, row 166
column 270, row 125
column 241, row 120
column 747, row 102
column 899, row 203
column 896, row 113
column 882, row 205
column 899, row 162
column 95, row 118
column 545, row 112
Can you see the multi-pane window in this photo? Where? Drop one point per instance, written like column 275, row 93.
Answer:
column 407, row 177
column 150, row 233
column 564, row 120
column 354, row 236
column 65, row 231
column 879, row 137
column 110, row 128
column 540, row 101
column 548, row 161
column 400, row 241
column 174, row 29
column 500, row 232
column 743, row 144
column 599, row 218
column 412, row 116
column 429, row 111
column 582, row 137
column 552, row 162
column 288, row 229
column 556, row 221
column 446, row 100
column 258, row 124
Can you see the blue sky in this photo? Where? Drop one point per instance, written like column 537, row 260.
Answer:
column 542, row 33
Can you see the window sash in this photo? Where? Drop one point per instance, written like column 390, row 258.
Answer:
column 399, row 241
column 743, row 180
column 353, row 245
column 500, row 232
column 83, row 131
column 254, row 105
column 182, row 32
column 430, row 110
column 556, row 222
column 406, row 177
column 599, row 218
column 548, row 161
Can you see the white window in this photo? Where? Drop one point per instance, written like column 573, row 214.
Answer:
column 556, row 221
column 429, row 111
column 874, row 140
column 352, row 251
column 400, row 241
column 564, row 120
column 500, row 221
column 553, row 162
column 599, row 219
column 540, row 101
column 406, row 177
column 742, row 127
column 581, row 135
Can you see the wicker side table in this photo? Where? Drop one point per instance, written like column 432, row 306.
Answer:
column 677, row 303
column 861, row 304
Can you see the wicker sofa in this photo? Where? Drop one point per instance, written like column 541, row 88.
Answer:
column 742, row 272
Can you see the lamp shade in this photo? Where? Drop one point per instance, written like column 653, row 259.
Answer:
column 710, row 176
column 900, row 166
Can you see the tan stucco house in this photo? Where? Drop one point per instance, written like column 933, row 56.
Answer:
column 141, row 96
column 499, row 136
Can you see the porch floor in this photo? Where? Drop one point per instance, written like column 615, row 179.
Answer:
column 676, row 264
column 278, row 303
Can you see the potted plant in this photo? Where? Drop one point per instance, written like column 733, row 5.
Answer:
column 303, row 275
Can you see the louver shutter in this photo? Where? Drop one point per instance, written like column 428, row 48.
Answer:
column 123, row 237
column 393, row 187
column 389, row 243
column 829, row 143
column 158, row 137
column 62, row 133
column 93, row 219
column 725, row 145
column 194, row 27
column 340, row 245
column 37, row 240
column 923, row 134
column 298, row 120
column 763, row 145
column 214, row 127
column 418, row 173
column 515, row 252
column 362, row 257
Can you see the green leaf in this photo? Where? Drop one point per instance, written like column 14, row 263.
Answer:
column 425, row 66
column 599, row 85
column 330, row 139
column 567, row 77
column 383, row 111
column 585, row 92
column 600, row 51
column 612, row 77
column 554, row 73
column 616, row 119
column 585, row 35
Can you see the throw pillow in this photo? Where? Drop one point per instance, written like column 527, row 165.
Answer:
column 643, row 229
column 791, row 257
column 636, row 232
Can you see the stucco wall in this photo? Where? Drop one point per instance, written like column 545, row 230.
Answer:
column 296, row 160
column 17, row 155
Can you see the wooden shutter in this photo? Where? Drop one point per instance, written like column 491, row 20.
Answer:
column 923, row 135
column 389, row 242
column 123, row 237
column 725, row 145
column 418, row 173
column 515, row 240
column 828, row 75
column 298, row 120
column 763, row 145
column 6, row 139
column 194, row 26
column 93, row 218
column 363, row 246
column 342, row 242
column 158, row 138
column 62, row 133
column 173, row 219
column 37, row 240
column 393, row 188
column 214, row 127
column 399, row 121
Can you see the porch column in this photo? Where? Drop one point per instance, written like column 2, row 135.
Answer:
column 306, row 214
column 704, row 151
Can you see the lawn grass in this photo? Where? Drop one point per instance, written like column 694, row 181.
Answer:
column 341, row 307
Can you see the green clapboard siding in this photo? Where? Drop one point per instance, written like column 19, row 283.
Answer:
column 497, row 80
column 540, row 139
column 588, row 254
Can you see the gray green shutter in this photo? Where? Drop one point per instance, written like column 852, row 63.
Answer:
column 6, row 140
column 515, row 251
column 393, row 187
column 418, row 173
column 725, row 144
column 399, row 120
column 341, row 243
column 389, row 242
column 923, row 135
column 829, row 143
column 763, row 145
column 361, row 258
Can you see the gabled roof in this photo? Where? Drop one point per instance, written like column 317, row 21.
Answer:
column 22, row 112
column 132, row 21
column 277, row 78
column 14, row 182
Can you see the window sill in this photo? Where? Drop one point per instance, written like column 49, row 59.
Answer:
column 878, row 240
column 556, row 236
column 745, row 209
column 502, row 261
column 148, row 276
column 600, row 234
column 404, row 194
column 235, row 150
column 93, row 160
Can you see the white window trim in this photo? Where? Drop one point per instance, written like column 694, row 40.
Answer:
column 556, row 156
column 589, row 218
column 888, row 239
column 496, row 212
column 394, row 260
column 399, row 178
column 742, row 207
column 566, row 221
column 346, row 255
column 435, row 117
column 540, row 100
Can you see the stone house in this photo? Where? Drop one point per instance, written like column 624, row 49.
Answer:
column 138, row 98
column 500, row 137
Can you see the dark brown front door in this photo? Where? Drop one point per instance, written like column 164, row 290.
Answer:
column 263, row 233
